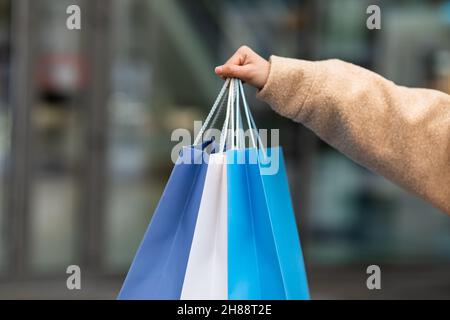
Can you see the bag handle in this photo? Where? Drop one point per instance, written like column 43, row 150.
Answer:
column 213, row 110
column 233, row 123
column 225, row 129
column 233, row 119
column 251, row 122
column 238, row 117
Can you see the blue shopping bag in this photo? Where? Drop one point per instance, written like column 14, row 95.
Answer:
column 284, row 228
column 253, row 269
column 264, row 255
column 158, row 269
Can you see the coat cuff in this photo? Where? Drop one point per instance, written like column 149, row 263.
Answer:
column 288, row 85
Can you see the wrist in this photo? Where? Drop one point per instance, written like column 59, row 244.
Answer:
column 264, row 75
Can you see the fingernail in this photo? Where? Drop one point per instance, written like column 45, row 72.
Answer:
column 218, row 69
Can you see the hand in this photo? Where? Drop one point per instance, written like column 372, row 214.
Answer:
column 246, row 65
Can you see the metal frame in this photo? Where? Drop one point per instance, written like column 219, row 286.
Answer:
column 22, row 92
column 96, row 47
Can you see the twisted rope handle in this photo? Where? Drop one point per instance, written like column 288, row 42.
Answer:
column 233, row 125
column 251, row 122
column 213, row 110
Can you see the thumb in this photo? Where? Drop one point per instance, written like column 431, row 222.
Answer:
column 232, row 71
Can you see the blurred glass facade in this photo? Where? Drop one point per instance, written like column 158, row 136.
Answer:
column 86, row 118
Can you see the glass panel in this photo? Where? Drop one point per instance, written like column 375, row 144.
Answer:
column 56, row 141
column 134, row 146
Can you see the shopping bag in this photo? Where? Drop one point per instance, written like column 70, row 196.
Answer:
column 284, row 228
column 207, row 269
column 158, row 269
column 254, row 271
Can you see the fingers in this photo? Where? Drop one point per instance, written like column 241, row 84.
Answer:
column 246, row 65
column 241, row 56
column 238, row 58
column 236, row 66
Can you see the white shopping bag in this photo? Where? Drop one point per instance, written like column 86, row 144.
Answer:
column 207, row 269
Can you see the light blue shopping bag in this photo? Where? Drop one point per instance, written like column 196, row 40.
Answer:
column 253, row 269
column 264, row 255
column 284, row 228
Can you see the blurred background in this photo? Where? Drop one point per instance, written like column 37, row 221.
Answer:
column 86, row 118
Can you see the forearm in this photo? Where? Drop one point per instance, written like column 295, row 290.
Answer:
column 399, row 132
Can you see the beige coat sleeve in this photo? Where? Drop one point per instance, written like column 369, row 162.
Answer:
column 398, row 132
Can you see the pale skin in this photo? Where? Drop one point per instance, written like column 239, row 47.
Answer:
column 246, row 65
